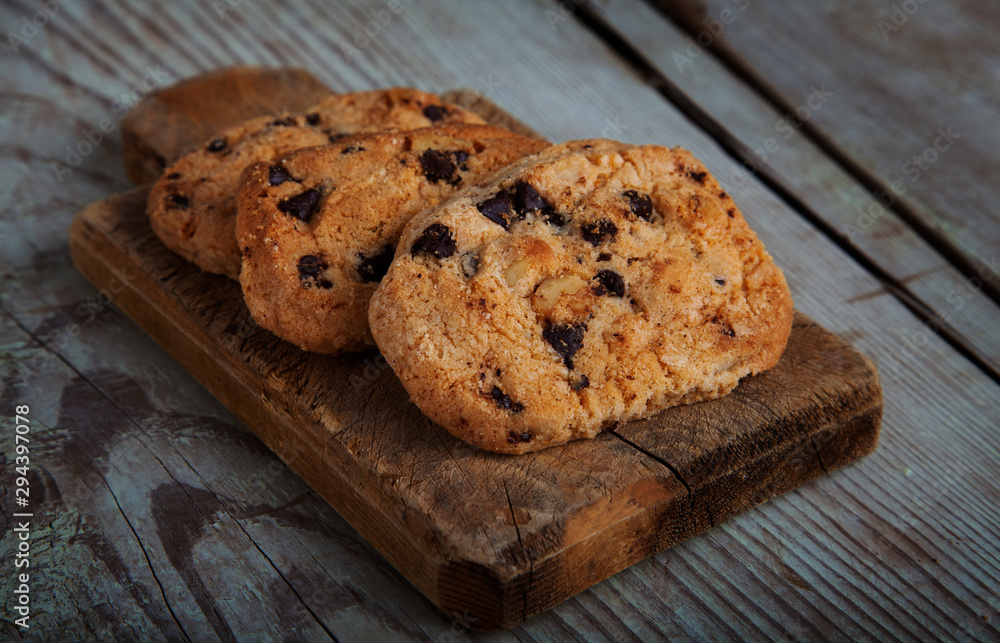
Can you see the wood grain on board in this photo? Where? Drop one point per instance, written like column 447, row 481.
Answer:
column 514, row 546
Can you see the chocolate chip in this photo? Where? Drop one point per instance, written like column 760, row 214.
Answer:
column 566, row 339
column 277, row 174
column 609, row 283
column 514, row 437
column 312, row 119
column 311, row 269
column 173, row 176
column 504, row 402
column 434, row 113
column 597, row 233
column 301, row 206
column 178, row 201
column 725, row 329
column 697, row 176
column 497, row 208
column 333, row 138
column 373, row 268
column 470, row 264
column 604, row 257
column 435, row 240
column 640, row 204
column 438, row 166
column 283, row 122
column 217, row 145
column 719, row 281
column 731, row 213
column 580, row 384
column 351, row 149
column 527, row 198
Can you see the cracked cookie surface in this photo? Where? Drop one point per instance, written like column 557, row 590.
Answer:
column 592, row 283
column 192, row 207
column 318, row 227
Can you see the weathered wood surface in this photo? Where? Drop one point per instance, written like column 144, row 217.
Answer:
column 916, row 100
column 479, row 533
column 912, row 268
column 902, row 545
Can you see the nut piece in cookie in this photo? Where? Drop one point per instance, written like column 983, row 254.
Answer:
column 589, row 284
column 192, row 207
column 319, row 227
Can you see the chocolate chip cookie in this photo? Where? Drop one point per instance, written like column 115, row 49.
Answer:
column 192, row 207
column 593, row 283
column 318, row 227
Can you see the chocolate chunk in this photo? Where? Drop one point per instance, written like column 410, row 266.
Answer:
column 373, row 268
column 697, row 176
column 719, row 281
column 609, row 283
column 566, row 339
column 527, row 198
column 604, row 256
column 581, row 383
column 351, row 149
column 217, row 145
column 311, row 269
column 283, row 122
column 438, row 166
column 173, row 176
column 301, row 206
column 497, row 208
column 470, row 264
column 434, row 113
column 640, row 204
column 178, row 201
column 277, row 174
column 599, row 232
column 435, row 240
column 504, row 402
column 514, row 437
column 312, row 119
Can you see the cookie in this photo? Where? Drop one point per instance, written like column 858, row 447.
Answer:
column 591, row 284
column 319, row 227
column 192, row 207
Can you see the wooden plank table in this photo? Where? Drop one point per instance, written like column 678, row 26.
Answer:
column 158, row 516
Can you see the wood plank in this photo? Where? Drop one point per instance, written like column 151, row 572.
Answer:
column 912, row 95
column 950, row 297
column 897, row 546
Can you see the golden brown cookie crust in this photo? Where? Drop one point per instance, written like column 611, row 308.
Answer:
column 621, row 281
column 192, row 207
column 319, row 227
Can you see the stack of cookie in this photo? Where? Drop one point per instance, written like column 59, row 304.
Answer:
column 526, row 294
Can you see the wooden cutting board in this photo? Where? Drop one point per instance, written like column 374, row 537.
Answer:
column 490, row 538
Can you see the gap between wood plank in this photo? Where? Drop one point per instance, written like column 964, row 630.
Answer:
column 649, row 73
column 684, row 17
